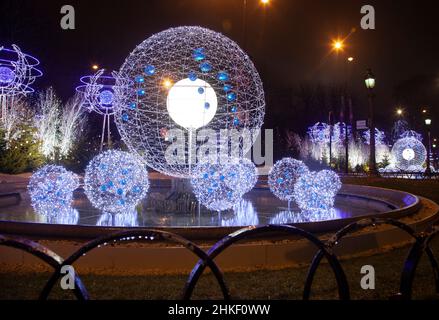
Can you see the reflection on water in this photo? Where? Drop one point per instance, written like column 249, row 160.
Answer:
column 259, row 207
column 244, row 214
column 287, row 217
column 65, row 216
column 128, row 219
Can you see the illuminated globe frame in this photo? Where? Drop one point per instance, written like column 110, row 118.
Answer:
column 18, row 71
column 409, row 153
column 161, row 62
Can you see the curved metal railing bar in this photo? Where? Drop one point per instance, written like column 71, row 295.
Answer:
column 46, row 255
column 246, row 233
column 351, row 228
column 421, row 246
column 136, row 236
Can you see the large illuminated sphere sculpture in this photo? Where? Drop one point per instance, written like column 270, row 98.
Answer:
column 316, row 191
column 283, row 176
column 51, row 190
column 409, row 153
column 210, row 186
column 116, row 181
column 186, row 78
column 18, row 72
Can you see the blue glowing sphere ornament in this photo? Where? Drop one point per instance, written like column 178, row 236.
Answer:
column 212, row 188
column 284, row 175
column 7, row 75
column 116, row 181
column 106, row 97
column 51, row 190
column 316, row 191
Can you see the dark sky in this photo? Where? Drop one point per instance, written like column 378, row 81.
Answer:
column 289, row 41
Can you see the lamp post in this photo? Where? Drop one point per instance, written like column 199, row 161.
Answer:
column 428, row 125
column 370, row 85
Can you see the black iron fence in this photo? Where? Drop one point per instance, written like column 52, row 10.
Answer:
column 421, row 246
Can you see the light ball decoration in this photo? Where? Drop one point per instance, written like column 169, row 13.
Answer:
column 186, row 78
column 283, row 176
column 408, row 152
column 210, row 186
column 242, row 175
column 116, row 181
column 51, row 190
column 316, row 191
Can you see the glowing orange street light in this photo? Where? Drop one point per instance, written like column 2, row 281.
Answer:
column 265, row 2
column 399, row 112
column 337, row 45
column 95, row 67
column 351, row 59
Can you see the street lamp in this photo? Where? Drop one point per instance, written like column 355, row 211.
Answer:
column 399, row 112
column 337, row 45
column 370, row 85
column 428, row 125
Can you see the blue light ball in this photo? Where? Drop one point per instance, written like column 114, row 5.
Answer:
column 7, row 75
column 150, row 70
column 205, row 67
column 223, row 76
column 106, row 97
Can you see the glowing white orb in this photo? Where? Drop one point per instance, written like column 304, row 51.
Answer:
column 192, row 104
column 408, row 154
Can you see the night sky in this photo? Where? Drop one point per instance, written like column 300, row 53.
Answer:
column 289, row 42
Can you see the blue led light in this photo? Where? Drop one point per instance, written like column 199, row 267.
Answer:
column 150, row 70
column 223, row 76
column 231, row 96
column 198, row 54
column 192, row 76
column 133, row 106
column 205, row 67
column 227, row 87
column 125, row 117
column 140, row 79
column 207, row 105
column 200, row 90
column 141, row 92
